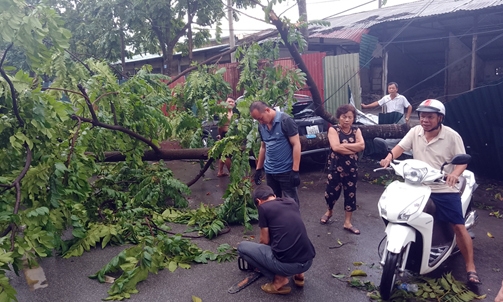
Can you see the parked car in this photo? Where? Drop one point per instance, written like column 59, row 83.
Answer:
column 303, row 112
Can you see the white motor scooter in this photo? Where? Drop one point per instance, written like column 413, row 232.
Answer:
column 414, row 239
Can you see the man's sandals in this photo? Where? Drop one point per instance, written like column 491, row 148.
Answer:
column 473, row 278
column 269, row 288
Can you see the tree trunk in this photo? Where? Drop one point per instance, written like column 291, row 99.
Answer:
column 303, row 19
column 320, row 141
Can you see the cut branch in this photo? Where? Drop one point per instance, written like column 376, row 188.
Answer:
column 201, row 172
column 118, row 128
column 12, row 89
column 89, row 104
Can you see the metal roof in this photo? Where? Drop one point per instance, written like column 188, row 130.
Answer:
column 351, row 26
column 148, row 56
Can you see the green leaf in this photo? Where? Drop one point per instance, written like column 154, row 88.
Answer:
column 172, row 266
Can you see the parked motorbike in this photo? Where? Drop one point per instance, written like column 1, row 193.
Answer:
column 414, row 239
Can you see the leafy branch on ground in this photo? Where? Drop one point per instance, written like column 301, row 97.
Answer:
column 443, row 289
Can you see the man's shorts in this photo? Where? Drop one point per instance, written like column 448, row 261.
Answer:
column 448, row 207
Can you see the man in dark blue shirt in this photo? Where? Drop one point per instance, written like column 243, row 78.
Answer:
column 284, row 249
column 279, row 153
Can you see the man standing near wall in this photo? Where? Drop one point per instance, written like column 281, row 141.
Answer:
column 394, row 102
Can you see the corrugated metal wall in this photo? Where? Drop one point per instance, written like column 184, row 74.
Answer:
column 341, row 71
column 314, row 63
column 478, row 117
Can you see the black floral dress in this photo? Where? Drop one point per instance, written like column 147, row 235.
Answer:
column 343, row 173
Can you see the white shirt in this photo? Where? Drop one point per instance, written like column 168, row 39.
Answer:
column 398, row 104
column 440, row 149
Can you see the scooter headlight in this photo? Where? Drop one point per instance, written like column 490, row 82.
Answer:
column 414, row 175
column 410, row 210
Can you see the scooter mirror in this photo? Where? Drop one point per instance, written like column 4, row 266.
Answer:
column 461, row 159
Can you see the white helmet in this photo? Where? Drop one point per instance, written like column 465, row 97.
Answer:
column 431, row 106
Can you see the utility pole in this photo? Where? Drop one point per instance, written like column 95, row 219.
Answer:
column 379, row 4
column 232, row 43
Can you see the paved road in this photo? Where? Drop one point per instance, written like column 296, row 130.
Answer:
column 67, row 278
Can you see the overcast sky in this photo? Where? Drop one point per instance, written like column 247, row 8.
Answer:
column 316, row 10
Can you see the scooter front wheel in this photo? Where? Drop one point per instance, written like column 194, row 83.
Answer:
column 388, row 275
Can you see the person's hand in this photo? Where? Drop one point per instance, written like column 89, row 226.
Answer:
column 384, row 162
column 257, row 177
column 294, row 178
column 451, row 179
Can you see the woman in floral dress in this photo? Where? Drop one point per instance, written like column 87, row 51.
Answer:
column 346, row 141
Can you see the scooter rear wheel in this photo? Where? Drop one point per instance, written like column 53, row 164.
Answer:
column 389, row 275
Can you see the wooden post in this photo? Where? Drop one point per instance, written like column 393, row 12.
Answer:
column 474, row 55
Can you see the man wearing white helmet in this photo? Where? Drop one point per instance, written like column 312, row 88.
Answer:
column 435, row 144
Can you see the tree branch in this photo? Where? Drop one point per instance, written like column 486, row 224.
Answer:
column 88, row 102
column 117, row 128
column 65, row 90
column 313, row 88
column 11, row 87
column 80, row 61
column 201, row 172
column 103, row 95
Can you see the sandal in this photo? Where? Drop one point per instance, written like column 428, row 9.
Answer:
column 298, row 281
column 325, row 218
column 269, row 288
column 473, row 278
column 352, row 230
column 223, row 174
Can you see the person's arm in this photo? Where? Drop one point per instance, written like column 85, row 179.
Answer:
column 358, row 145
column 259, row 164
column 335, row 144
column 409, row 112
column 371, row 105
column 295, row 142
column 264, row 236
column 396, row 151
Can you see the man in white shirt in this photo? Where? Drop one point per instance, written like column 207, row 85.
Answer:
column 435, row 144
column 394, row 102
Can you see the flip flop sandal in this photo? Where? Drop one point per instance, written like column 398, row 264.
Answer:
column 299, row 282
column 269, row 288
column 473, row 278
column 352, row 230
column 325, row 219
